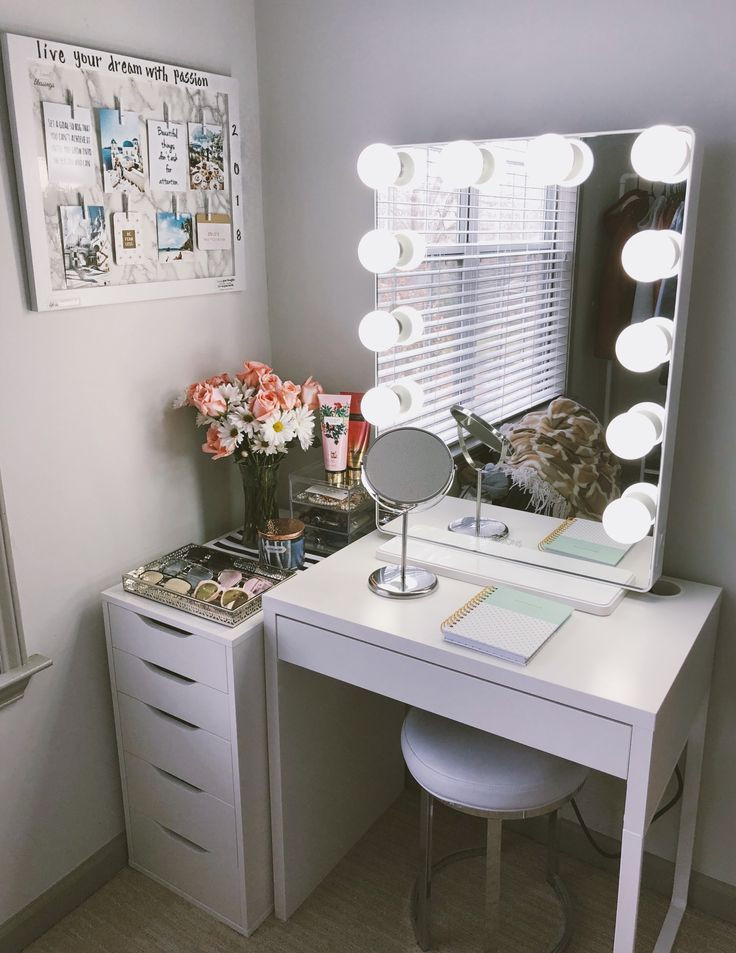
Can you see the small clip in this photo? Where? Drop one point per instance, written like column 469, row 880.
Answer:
column 126, row 206
column 119, row 106
column 70, row 101
column 201, row 118
column 175, row 205
column 207, row 206
column 80, row 201
column 166, row 114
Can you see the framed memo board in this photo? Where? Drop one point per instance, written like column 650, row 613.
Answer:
column 129, row 175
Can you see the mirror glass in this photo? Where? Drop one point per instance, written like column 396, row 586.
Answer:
column 542, row 285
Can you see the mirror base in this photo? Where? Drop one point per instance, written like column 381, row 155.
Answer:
column 487, row 529
column 387, row 582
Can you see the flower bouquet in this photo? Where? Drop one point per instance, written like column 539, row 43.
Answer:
column 254, row 417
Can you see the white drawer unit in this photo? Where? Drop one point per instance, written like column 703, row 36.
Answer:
column 190, row 717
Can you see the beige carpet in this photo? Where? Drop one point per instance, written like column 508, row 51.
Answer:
column 362, row 906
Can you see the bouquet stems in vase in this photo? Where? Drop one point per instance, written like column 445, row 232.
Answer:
column 254, row 417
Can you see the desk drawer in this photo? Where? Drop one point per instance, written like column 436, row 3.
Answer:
column 205, row 875
column 188, row 752
column 181, row 696
column 173, row 648
column 577, row 735
column 181, row 807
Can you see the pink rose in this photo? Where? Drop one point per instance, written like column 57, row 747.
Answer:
column 288, row 395
column 212, row 444
column 207, row 399
column 270, row 383
column 219, row 379
column 308, row 394
column 253, row 371
column 264, row 404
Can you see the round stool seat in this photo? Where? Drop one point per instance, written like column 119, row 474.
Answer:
column 470, row 768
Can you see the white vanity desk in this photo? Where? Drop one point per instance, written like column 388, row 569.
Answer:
column 622, row 694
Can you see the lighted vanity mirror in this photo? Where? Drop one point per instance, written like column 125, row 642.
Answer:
column 542, row 285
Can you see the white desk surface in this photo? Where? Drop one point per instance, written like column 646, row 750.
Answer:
column 621, row 666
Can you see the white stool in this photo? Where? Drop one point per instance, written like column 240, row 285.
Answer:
column 478, row 773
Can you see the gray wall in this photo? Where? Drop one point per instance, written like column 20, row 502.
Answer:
column 335, row 76
column 99, row 473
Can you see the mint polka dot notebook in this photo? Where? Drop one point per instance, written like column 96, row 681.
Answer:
column 508, row 623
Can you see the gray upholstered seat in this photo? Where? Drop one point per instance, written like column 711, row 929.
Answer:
column 479, row 773
column 471, row 768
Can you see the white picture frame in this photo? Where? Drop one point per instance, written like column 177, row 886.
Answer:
column 39, row 70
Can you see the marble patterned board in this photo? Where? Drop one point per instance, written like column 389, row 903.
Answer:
column 58, row 95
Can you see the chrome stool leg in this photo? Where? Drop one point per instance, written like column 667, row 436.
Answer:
column 421, row 918
column 554, row 880
column 494, row 830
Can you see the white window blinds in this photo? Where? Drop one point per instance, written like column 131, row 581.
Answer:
column 495, row 292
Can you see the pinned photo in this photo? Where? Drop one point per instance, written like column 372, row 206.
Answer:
column 214, row 232
column 85, row 244
column 206, row 156
column 127, row 232
column 167, row 155
column 122, row 155
column 175, row 236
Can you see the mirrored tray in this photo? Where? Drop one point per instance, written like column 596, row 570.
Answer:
column 198, row 562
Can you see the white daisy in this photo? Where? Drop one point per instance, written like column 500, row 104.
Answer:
column 202, row 421
column 245, row 419
column 277, row 430
column 232, row 394
column 229, row 433
column 303, row 423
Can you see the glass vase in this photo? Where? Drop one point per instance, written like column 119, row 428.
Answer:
column 260, row 479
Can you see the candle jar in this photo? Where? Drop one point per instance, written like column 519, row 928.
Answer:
column 281, row 544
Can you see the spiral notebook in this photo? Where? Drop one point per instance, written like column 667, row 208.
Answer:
column 584, row 539
column 507, row 623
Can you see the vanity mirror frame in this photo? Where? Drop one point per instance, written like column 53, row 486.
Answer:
column 582, row 568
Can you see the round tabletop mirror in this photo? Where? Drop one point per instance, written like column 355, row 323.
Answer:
column 406, row 469
column 489, row 436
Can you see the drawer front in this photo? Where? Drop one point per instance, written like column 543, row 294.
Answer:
column 194, row 702
column 579, row 736
column 205, row 875
column 181, row 807
column 175, row 649
column 188, row 752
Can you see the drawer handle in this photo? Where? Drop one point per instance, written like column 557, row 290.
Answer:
column 167, row 673
column 179, row 721
column 183, row 840
column 172, row 777
column 165, row 627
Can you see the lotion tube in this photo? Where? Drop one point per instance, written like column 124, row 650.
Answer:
column 334, row 417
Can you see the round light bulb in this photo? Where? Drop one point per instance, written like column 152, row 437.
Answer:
column 411, row 324
column 662, row 154
column 582, row 164
column 379, row 331
column 411, row 396
column 652, row 254
column 644, row 346
column 549, row 159
column 629, row 519
column 379, row 251
column 381, row 406
column 633, row 434
column 379, row 166
column 460, row 164
column 413, row 249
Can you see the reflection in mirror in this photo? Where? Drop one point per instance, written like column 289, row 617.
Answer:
column 490, row 437
column 406, row 469
column 540, row 284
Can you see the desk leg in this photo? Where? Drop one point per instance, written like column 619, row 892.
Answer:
column 686, row 836
column 335, row 766
column 632, row 842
